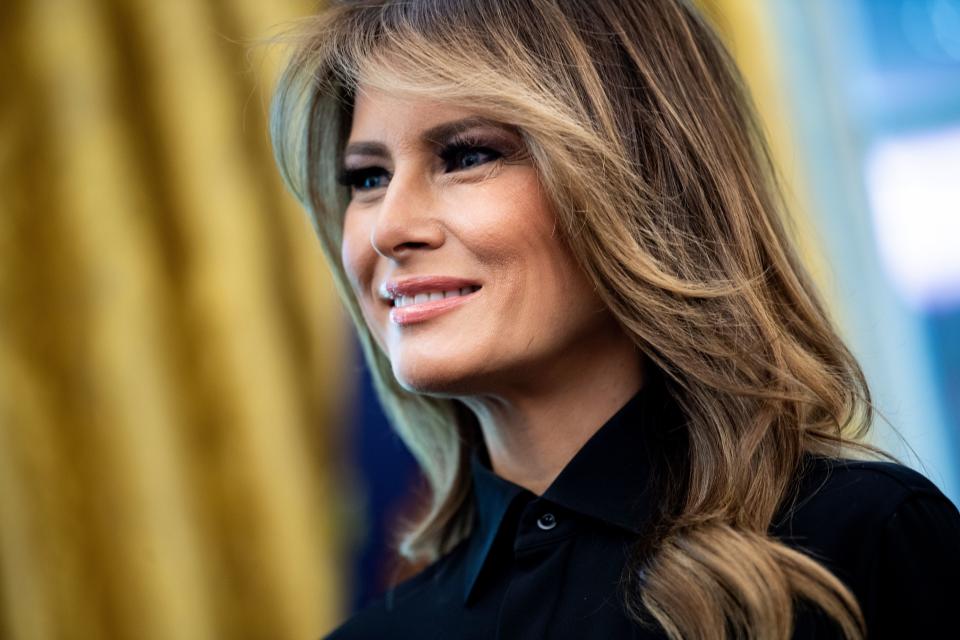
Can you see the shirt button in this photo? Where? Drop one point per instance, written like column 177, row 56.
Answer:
column 547, row 521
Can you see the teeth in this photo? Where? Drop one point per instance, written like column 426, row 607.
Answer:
column 420, row 298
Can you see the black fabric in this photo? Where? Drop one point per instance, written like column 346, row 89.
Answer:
column 882, row 528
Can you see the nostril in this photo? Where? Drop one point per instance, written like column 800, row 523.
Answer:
column 392, row 238
column 411, row 245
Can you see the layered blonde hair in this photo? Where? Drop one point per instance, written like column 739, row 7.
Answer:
column 648, row 147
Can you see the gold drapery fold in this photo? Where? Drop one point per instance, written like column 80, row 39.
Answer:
column 171, row 351
column 749, row 31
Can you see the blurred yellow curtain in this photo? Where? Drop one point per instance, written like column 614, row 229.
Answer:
column 748, row 29
column 171, row 352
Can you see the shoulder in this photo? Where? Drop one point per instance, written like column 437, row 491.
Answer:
column 408, row 609
column 867, row 490
column 838, row 498
column 887, row 531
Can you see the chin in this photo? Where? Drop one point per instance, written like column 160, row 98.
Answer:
column 435, row 375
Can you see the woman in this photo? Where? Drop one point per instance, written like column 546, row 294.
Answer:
column 555, row 225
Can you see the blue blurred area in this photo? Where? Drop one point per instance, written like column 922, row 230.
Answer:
column 943, row 336
column 387, row 473
column 875, row 91
column 914, row 56
column 908, row 74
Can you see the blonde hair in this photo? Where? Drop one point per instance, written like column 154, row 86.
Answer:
column 646, row 142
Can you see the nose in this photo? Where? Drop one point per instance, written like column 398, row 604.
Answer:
column 406, row 221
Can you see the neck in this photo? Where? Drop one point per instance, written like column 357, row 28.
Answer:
column 532, row 431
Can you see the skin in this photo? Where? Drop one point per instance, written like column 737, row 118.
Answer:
column 534, row 354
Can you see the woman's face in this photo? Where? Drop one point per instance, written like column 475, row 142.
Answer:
column 451, row 248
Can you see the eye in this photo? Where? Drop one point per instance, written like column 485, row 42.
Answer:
column 466, row 154
column 363, row 179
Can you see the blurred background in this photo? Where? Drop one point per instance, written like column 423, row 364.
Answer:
column 189, row 445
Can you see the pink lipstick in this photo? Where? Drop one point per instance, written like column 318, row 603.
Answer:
column 421, row 298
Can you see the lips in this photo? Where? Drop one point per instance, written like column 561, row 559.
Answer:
column 425, row 284
column 421, row 298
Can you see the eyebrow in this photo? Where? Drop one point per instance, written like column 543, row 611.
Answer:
column 432, row 136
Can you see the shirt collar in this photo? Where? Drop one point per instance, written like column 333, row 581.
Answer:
column 607, row 479
column 493, row 496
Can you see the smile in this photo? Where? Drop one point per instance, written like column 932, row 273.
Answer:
column 415, row 302
column 432, row 296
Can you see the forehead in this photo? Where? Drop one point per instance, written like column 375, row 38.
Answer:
column 397, row 119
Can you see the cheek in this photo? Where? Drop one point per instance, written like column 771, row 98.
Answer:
column 357, row 255
column 359, row 263
column 508, row 221
column 553, row 291
column 537, row 283
column 520, row 235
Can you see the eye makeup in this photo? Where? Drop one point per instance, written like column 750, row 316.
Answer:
column 463, row 145
column 357, row 178
column 489, row 146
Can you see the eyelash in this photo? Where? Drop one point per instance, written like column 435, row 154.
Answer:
column 354, row 178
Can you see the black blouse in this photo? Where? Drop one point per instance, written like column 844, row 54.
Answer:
column 549, row 566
